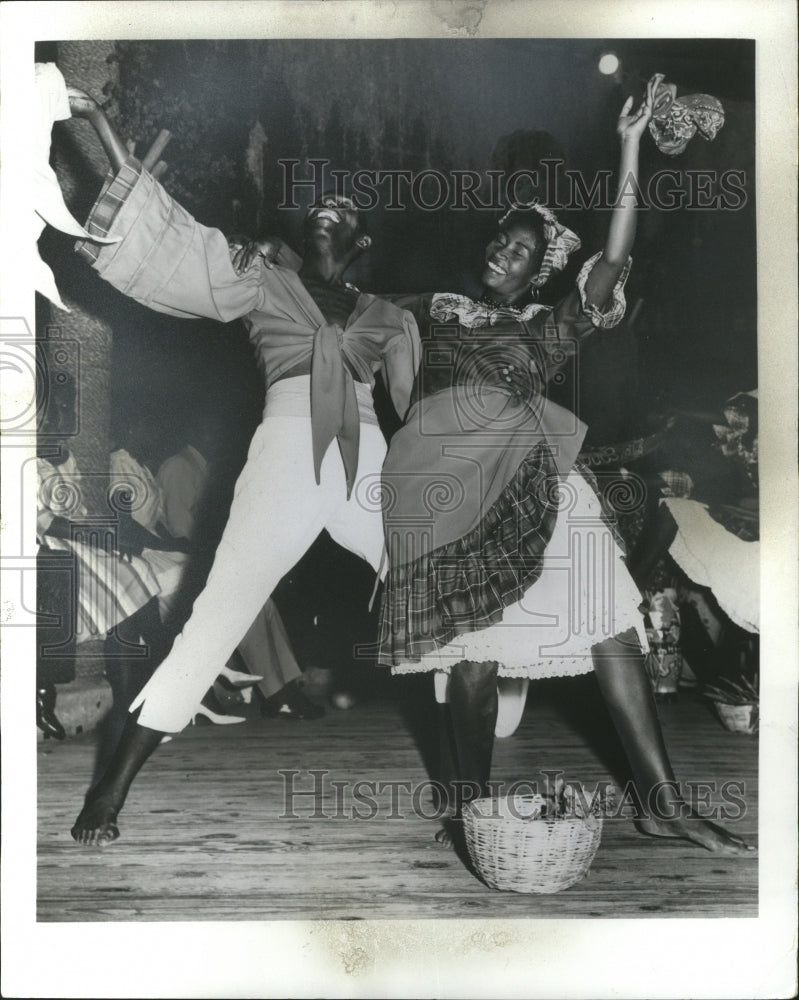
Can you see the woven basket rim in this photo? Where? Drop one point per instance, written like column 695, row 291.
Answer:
column 472, row 812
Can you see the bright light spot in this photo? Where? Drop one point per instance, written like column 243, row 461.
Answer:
column 608, row 63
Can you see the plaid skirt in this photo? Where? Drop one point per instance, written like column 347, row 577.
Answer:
column 583, row 596
column 464, row 586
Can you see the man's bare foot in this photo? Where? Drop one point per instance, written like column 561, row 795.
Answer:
column 698, row 831
column 97, row 823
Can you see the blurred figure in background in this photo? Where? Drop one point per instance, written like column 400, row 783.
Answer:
column 92, row 580
column 704, row 532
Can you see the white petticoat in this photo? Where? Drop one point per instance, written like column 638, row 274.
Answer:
column 584, row 596
column 716, row 558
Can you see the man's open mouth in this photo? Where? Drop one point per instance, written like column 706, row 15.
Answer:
column 327, row 213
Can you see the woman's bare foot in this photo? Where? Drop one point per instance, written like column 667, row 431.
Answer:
column 451, row 830
column 699, row 831
column 97, row 823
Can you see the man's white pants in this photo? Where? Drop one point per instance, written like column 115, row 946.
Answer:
column 277, row 511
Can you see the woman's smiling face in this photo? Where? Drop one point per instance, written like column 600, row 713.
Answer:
column 511, row 260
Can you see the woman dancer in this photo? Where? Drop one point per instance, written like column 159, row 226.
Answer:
column 501, row 562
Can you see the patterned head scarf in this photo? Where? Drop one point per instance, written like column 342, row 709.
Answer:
column 560, row 241
column 675, row 121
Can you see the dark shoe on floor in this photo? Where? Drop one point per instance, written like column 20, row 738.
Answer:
column 291, row 702
column 46, row 719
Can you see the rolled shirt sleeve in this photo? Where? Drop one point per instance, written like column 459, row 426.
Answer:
column 165, row 260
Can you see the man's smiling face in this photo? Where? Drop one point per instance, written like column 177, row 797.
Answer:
column 335, row 220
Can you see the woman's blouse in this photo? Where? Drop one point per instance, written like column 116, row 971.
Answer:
column 550, row 336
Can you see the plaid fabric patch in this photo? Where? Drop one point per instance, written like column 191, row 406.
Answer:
column 678, row 484
column 464, row 586
column 112, row 197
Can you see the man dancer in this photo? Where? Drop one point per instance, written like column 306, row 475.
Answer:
column 320, row 343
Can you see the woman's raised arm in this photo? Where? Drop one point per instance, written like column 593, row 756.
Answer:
column 621, row 234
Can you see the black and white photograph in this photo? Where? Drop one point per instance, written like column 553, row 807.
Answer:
column 399, row 510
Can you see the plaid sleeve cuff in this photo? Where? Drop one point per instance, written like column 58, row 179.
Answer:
column 604, row 319
column 112, row 197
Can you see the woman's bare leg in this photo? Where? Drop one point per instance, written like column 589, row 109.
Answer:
column 619, row 667
column 473, row 704
column 447, row 774
column 468, row 747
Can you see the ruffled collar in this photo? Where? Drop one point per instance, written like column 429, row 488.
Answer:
column 447, row 306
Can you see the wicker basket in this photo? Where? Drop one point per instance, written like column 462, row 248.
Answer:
column 514, row 849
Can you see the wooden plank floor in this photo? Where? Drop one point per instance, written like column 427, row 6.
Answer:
column 203, row 837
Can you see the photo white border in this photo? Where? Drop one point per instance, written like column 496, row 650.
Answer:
column 472, row 958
